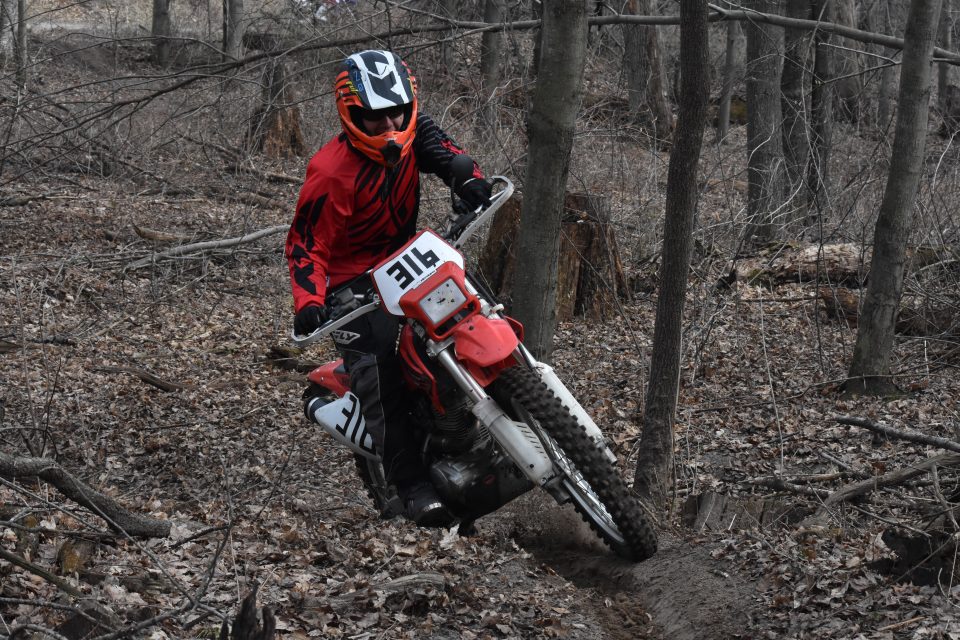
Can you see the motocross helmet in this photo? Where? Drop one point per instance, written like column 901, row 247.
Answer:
column 373, row 80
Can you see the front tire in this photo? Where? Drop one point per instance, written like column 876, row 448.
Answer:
column 597, row 491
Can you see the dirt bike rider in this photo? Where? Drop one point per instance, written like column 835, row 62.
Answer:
column 358, row 204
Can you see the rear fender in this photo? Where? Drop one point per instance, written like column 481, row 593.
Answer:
column 332, row 376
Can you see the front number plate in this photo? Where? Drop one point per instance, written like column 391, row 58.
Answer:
column 411, row 266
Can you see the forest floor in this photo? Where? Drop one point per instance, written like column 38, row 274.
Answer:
column 225, row 453
column 160, row 386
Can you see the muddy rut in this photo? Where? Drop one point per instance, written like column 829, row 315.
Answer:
column 682, row 593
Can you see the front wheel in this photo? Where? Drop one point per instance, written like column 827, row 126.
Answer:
column 597, row 491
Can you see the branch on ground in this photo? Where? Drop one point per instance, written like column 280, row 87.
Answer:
column 894, row 478
column 919, row 438
column 199, row 247
column 118, row 518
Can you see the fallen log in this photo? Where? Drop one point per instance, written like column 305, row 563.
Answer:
column 891, row 479
column 118, row 518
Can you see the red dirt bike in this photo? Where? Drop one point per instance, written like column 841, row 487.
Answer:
column 493, row 422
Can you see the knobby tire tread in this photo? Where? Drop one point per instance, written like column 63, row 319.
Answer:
column 525, row 386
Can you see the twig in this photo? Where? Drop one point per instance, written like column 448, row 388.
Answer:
column 941, row 499
column 934, row 441
column 62, row 584
column 901, row 624
column 158, row 236
column 843, row 465
column 147, row 377
column 198, row 534
column 36, row 628
column 209, row 244
column 782, row 485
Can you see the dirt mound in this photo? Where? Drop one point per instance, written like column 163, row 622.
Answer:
column 681, row 593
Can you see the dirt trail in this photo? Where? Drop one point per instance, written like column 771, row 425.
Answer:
column 682, row 593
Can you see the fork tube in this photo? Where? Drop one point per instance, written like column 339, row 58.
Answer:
column 463, row 379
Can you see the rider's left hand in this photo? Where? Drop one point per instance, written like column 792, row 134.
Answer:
column 475, row 192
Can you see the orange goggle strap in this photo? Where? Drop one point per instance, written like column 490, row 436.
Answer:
column 371, row 146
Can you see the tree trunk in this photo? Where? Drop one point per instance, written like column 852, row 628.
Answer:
column 946, row 42
column 161, row 30
column 536, row 13
column 551, row 126
column 885, row 91
column 849, row 83
column 448, row 8
column 643, row 65
column 8, row 21
column 765, row 171
column 275, row 127
column 796, row 137
column 590, row 277
column 870, row 368
column 232, row 28
column 730, row 75
column 654, row 474
column 20, row 50
column 491, row 43
column 821, row 116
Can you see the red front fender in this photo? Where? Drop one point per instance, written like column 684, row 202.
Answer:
column 485, row 346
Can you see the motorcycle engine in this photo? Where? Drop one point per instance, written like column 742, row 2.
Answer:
column 477, row 482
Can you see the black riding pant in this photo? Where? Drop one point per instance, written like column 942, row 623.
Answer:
column 368, row 346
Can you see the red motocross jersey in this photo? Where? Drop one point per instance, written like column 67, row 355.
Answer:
column 353, row 212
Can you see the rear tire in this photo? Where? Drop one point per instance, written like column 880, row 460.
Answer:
column 595, row 487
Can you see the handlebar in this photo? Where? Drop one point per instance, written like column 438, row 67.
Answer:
column 345, row 305
column 462, row 226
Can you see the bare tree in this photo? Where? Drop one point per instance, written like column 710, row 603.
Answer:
column 654, row 473
column 795, row 122
column 556, row 101
column 870, row 368
column 490, row 44
column 161, row 30
column 821, row 112
column 8, row 21
column 20, row 51
column 946, row 42
column 643, row 65
column 731, row 69
column 765, row 170
column 232, row 28
column 849, row 82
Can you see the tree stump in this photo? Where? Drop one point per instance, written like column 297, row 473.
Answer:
column 275, row 126
column 590, row 278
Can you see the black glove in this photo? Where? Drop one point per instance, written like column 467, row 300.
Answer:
column 309, row 319
column 475, row 192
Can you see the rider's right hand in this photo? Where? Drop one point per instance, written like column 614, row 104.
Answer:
column 309, row 319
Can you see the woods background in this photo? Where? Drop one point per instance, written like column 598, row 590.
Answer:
column 150, row 160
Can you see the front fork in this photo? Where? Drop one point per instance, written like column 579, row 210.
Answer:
column 517, row 439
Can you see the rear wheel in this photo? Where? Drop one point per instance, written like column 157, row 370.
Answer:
column 597, row 491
